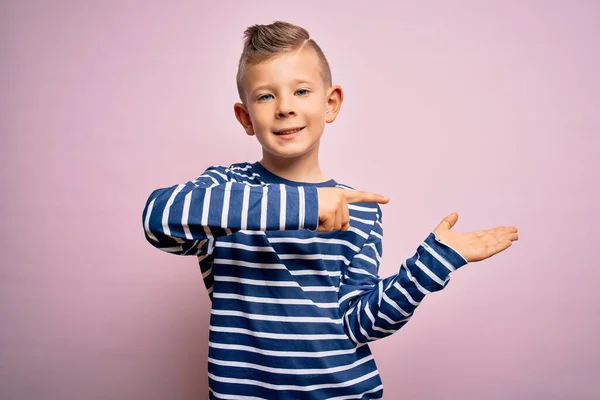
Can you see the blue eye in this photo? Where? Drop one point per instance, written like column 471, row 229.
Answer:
column 264, row 97
column 302, row 92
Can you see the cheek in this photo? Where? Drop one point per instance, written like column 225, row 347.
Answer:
column 257, row 116
column 317, row 118
column 315, row 112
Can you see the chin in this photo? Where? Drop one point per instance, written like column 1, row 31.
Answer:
column 289, row 152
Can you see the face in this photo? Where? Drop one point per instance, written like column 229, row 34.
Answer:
column 287, row 104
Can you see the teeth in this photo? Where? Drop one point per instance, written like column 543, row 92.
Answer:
column 288, row 132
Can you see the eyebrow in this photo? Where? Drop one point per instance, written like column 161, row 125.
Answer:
column 267, row 86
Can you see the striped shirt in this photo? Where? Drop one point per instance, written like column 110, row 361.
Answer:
column 292, row 309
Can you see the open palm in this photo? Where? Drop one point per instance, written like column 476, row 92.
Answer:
column 475, row 246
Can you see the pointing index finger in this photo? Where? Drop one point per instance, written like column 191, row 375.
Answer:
column 357, row 196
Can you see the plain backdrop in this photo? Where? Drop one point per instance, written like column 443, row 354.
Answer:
column 488, row 108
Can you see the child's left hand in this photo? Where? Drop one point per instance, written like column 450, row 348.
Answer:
column 475, row 246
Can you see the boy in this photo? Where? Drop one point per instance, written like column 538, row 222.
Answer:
column 289, row 257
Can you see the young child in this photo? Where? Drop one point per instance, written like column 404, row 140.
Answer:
column 290, row 257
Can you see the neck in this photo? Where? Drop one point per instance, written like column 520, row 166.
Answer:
column 304, row 168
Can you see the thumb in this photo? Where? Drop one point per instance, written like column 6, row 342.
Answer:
column 449, row 221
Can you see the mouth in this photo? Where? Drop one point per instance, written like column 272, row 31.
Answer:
column 290, row 131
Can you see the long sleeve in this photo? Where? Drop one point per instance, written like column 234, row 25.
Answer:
column 373, row 308
column 184, row 219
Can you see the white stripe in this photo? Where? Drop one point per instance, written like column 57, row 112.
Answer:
column 301, row 210
column 385, row 318
column 225, row 213
column 328, row 257
column 185, row 215
column 284, row 336
column 147, row 221
column 362, row 330
column 257, row 282
column 235, row 245
column 438, row 257
column 276, row 283
column 350, row 333
column 282, row 208
column 377, row 255
column 364, row 221
column 358, row 232
column 249, row 177
column 206, row 207
column 389, row 320
column 210, row 238
column 319, row 288
column 414, row 280
column 377, row 235
column 355, row 396
column 429, row 272
column 395, row 306
column 360, row 271
column 276, row 300
column 361, row 208
column 293, row 387
column 372, row 318
column 389, row 285
column 212, row 178
column 351, row 294
column 314, row 240
column 366, row 258
column 165, row 216
column 252, row 232
column 314, row 272
column 233, row 396
column 276, row 353
column 291, row 371
column 223, row 176
column 245, row 201
column 248, row 264
column 246, row 168
column 344, row 187
column 193, row 246
column 278, row 318
column 264, row 208
column 406, row 294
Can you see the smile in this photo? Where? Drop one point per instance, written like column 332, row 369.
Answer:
column 285, row 132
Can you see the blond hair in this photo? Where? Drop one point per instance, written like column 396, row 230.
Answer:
column 266, row 41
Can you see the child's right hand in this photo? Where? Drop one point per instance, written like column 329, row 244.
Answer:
column 333, row 206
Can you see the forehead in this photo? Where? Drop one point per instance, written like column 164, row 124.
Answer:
column 285, row 68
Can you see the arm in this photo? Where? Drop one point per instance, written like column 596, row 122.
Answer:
column 373, row 308
column 184, row 219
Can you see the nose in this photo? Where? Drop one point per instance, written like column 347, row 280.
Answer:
column 285, row 108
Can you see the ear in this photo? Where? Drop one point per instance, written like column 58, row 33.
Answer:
column 335, row 97
column 243, row 116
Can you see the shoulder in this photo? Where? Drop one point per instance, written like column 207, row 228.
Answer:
column 238, row 172
column 245, row 173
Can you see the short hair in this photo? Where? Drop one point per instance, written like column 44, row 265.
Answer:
column 266, row 41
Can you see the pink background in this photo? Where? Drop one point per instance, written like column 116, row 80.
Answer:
column 486, row 108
